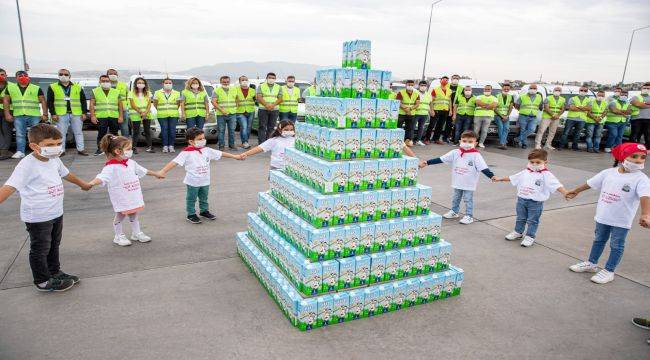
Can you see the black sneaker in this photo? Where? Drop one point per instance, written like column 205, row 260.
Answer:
column 193, row 219
column 524, row 146
column 208, row 215
column 63, row 276
column 97, row 152
column 221, row 147
column 56, row 285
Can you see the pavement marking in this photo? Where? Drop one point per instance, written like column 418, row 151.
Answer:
column 13, row 261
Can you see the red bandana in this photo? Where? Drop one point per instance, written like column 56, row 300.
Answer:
column 117, row 162
column 192, row 148
column 463, row 151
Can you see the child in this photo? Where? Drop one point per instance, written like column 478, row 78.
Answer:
column 122, row 174
column 196, row 160
column 282, row 138
column 466, row 163
column 37, row 178
column 534, row 186
column 622, row 188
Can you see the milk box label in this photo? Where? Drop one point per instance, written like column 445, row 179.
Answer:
column 339, row 176
column 444, row 257
column 352, row 143
column 337, row 240
column 362, row 54
column 347, row 269
column 330, row 275
column 370, row 173
column 330, row 78
column 366, row 238
column 368, row 145
column 373, row 84
column 359, row 78
column 353, row 116
column 431, row 258
column 385, row 84
column 410, row 236
column 385, row 169
column 338, row 113
column 311, row 279
column 340, row 210
column 399, row 294
column 382, row 234
column 383, row 204
column 449, row 283
column 343, row 83
column 382, row 144
column 424, row 199
column 362, row 271
column 325, row 310
column 405, row 262
column 319, row 244
column 421, row 230
column 368, row 112
column 434, row 227
column 341, row 305
column 355, row 175
column 397, row 173
column 410, row 171
column 382, row 115
column 334, row 144
column 425, row 289
column 369, row 205
column 396, row 143
column 352, row 240
column 307, row 314
column 385, row 297
column 392, row 265
column 419, row 260
column 396, row 234
column 412, row 288
column 393, row 115
column 460, row 276
column 377, row 267
column 411, row 201
column 398, row 198
column 355, row 309
column 371, row 301
column 355, row 208
column 437, row 286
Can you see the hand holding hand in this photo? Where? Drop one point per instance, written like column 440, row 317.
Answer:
column 645, row 221
column 93, row 119
column 55, row 118
column 422, row 164
column 241, row 157
column 86, row 186
column 159, row 174
column 570, row 195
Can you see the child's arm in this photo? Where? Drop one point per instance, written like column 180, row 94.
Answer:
column 170, row 165
column 5, row 192
column 407, row 150
column 232, row 156
column 562, row 191
column 157, row 174
column 75, row 180
column 503, row 179
column 487, row 172
column 95, row 182
column 573, row 193
column 434, row 161
column 253, row 151
column 643, row 221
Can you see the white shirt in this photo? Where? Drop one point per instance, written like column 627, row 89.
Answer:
column 535, row 185
column 277, row 145
column 197, row 165
column 123, row 184
column 619, row 196
column 40, row 187
column 465, row 170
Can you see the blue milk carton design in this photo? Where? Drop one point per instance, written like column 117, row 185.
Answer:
column 373, row 84
column 421, row 230
column 425, row 289
column 352, row 240
column 323, row 206
column 340, row 210
column 352, row 143
column 382, row 114
column 419, row 260
column 311, row 279
column 400, row 289
column 393, row 114
column 382, row 234
column 352, row 113
column 337, row 241
column 362, row 271
column 410, row 235
column 344, row 54
column 377, row 267
column 385, row 297
column 329, row 80
column 321, row 82
column 412, row 292
column 334, row 144
column 339, row 176
column 368, row 137
column 366, row 238
column 325, row 310
column 433, row 222
column 424, row 199
column 460, row 276
column 398, row 199
column 368, row 112
column 319, row 243
column 355, row 208
column 405, row 262
column 341, row 305
column 330, row 275
column 395, row 234
column 355, row 175
column 371, row 301
column 307, row 314
column 343, row 78
column 444, row 257
column 383, row 204
column 382, row 144
column 385, row 91
column 384, row 172
column 359, row 78
column 397, row 175
column 355, row 309
column 392, row 265
column 369, row 205
column 362, row 54
column 410, row 171
column 370, row 173
column 431, row 257
column 347, row 269
column 411, row 201
column 339, row 113
column 438, row 280
column 396, row 143
column 449, row 284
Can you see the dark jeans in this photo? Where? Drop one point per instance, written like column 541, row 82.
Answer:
column 577, row 127
column 420, row 121
column 44, row 241
column 224, row 121
column 168, row 130
column 289, row 116
column 640, row 128
column 463, row 123
column 106, row 124
column 406, row 121
column 614, row 133
column 267, row 122
column 196, row 121
column 437, row 125
column 5, row 132
column 146, row 123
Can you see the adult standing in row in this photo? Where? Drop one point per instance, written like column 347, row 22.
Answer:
column 5, row 126
column 619, row 110
column 224, row 102
column 140, row 113
column 505, row 103
column 553, row 109
column 106, row 109
column 409, row 100
column 66, row 102
column 123, row 90
column 441, row 96
column 456, row 91
column 310, row 90
column 595, row 121
column 245, row 101
column 529, row 106
column 194, row 103
column 484, row 114
column 268, row 97
column 463, row 113
column 422, row 113
column 290, row 96
column 578, row 106
column 640, row 120
column 167, row 102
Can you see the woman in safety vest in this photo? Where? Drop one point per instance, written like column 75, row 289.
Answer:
column 194, row 103
column 140, row 112
column 167, row 101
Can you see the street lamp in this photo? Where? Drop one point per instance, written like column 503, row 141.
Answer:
column 22, row 41
column 628, row 51
column 426, row 49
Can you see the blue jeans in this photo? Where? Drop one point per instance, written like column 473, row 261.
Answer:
column 168, row 130
column 527, row 125
column 68, row 120
column 288, row 116
column 576, row 126
column 616, row 237
column 22, row 123
column 124, row 126
column 222, row 122
column 528, row 213
column 594, row 132
column 467, row 196
column 245, row 124
column 503, row 127
column 614, row 134
column 463, row 123
column 196, row 121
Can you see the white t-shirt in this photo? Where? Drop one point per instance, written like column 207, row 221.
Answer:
column 40, row 187
column 123, row 184
column 465, row 170
column 535, row 185
column 619, row 196
column 197, row 165
column 277, row 145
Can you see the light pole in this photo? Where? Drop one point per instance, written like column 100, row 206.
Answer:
column 628, row 51
column 22, row 41
column 426, row 49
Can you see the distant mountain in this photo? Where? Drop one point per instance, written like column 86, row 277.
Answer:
column 254, row 69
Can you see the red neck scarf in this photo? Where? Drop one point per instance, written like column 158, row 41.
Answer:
column 192, row 148
column 117, row 162
column 463, row 151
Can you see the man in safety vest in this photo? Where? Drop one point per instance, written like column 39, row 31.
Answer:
column 578, row 106
column 423, row 112
column 529, row 106
column 440, row 120
column 640, row 120
column 5, row 126
column 484, row 114
column 225, row 106
column 463, row 114
column 553, row 108
column 311, row 90
column 66, row 102
column 123, row 90
column 290, row 96
column 409, row 100
column 21, row 106
column 595, row 122
column 106, row 109
column 245, row 109
column 268, row 98
column 505, row 103
column 619, row 110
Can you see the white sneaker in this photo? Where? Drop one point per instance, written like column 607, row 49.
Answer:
column 481, row 146
column 608, row 150
column 466, row 220
column 603, row 277
column 121, row 240
column 528, row 241
column 141, row 237
column 538, row 147
column 18, row 155
column 549, row 147
column 451, row 214
column 419, row 143
column 171, row 149
column 584, row 266
column 513, row 236
column 165, row 149
column 246, row 145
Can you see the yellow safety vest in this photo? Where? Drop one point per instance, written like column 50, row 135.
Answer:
column 2, row 95
column 555, row 106
column 60, row 107
column 141, row 104
column 529, row 107
column 270, row 95
column 479, row 111
column 503, row 104
column 635, row 110
column 578, row 114
column 123, row 90
column 106, row 106
column 425, row 102
column 616, row 118
column 167, row 105
column 194, row 103
column 24, row 103
column 408, row 100
column 442, row 100
column 466, row 106
column 290, row 100
column 597, row 110
column 226, row 100
column 246, row 103
column 311, row 91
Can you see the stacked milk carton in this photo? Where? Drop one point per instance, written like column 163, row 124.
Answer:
column 345, row 231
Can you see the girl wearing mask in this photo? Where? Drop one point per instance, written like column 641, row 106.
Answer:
column 282, row 138
column 167, row 102
column 140, row 113
column 194, row 103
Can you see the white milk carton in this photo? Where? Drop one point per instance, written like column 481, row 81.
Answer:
column 398, row 198
column 385, row 297
column 369, row 205
column 368, row 112
column 438, row 280
column 382, row 144
column 355, row 175
column 337, row 113
column 419, row 260
column 370, row 173
column 386, row 90
column 359, row 78
column 393, row 115
column 421, row 230
column 377, row 267
column 411, row 201
column 333, row 145
column 325, row 310
column 341, row 305
column 449, row 284
column 431, row 257
column 330, row 275
column 366, row 238
column 385, row 170
column 397, row 174
column 425, row 289
column 410, row 171
column 362, row 271
column 307, row 314
column 352, row 240
column 343, row 86
column 340, row 210
column 425, row 194
column 382, row 234
column 368, row 145
column 400, row 289
column 382, row 113
column 444, row 257
column 405, row 262
column 323, row 207
column 347, row 269
column 355, row 208
column 330, row 79
column 340, row 172
column 392, row 265
column 311, row 279
column 410, row 236
column 352, row 113
column 412, row 289
column 373, row 84
column 383, row 204
column 396, row 143
column 319, row 240
column 352, row 144
column 433, row 223
column 345, row 54
column 337, row 241
column 460, row 276
column 362, row 54
column 396, row 234
column 356, row 304
column 371, row 301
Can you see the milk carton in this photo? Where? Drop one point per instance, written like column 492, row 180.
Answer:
column 352, row 144
column 444, row 257
column 385, row 297
column 369, row 205
column 344, row 54
column 352, row 240
column 338, row 111
column 433, row 223
column 412, row 292
column 368, row 137
column 340, row 210
column 323, row 206
column 329, row 82
column 368, row 112
column 460, row 276
column 422, row 228
column 359, row 77
column 431, row 258
column 410, row 171
column 319, row 244
column 355, row 208
column 400, row 289
column 347, row 269
column 393, row 114
column 437, row 280
column 377, row 267
column 337, row 241
column 382, row 234
column 341, row 305
column 382, row 144
column 333, row 144
column 330, row 275
column 398, row 198
column 425, row 289
column 371, row 301
column 370, row 172
column 352, row 113
column 385, row 85
column 325, row 310
column 420, row 255
column 382, row 114
column 397, row 173
column 449, row 284
column 411, row 201
column 392, row 265
column 362, row 54
column 362, row 271
column 405, row 262
column 410, row 236
column 355, row 309
column 385, row 169
column 343, row 82
column 383, row 204
column 373, row 84
column 322, row 83
column 311, row 279
column 396, row 143
column 355, row 175
column 424, row 199
column 366, row 238
column 396, row 234
column 335, row 176
column 307, row 314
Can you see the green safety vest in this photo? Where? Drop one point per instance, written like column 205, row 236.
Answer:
column 503, row 104
column 60, row 107
column 2, row 95
column 479, row 111
column 246, row 103
column 465, row 106
column 167, row 106
column 408, row 100
column 555, row 106
column 311, row 91
column 123, row 90
column 442, row 100
column 425, row 102
column 106, row 106
column 24, row 104
column 635, row 110
column 194, row 103
column 616, row 118
column 392, row 95
column 226, row 100
column 597, row 110
column 579, row 114
column 290, row 101
column 529, row 107
column 270, row 95
column 141, row 104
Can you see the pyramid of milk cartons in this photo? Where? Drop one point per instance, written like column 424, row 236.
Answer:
column 345, row 231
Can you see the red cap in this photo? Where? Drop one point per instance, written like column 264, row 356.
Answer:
column 624, row 150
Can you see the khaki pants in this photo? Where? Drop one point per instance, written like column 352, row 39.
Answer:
column 549, row 124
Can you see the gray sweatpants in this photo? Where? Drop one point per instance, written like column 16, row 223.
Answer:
column 481, row 126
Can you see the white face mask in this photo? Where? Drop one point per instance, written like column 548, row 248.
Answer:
column 270, row 81
column 423, row 88
column 112, row 77
column 454, row 81
column 105, row 85
column 409, row 88
column 290, row 84
column 467, row 92
column 50, row 152
column 505, row 91
column 583, row 93
column 244, row 83
column 168, row 86
column 645, row 91
column 617, row 93
column 632, row 167
column 466, row 146
column 127, row 154
column 487, row 93
column 287, row 134
column 532, row 91
column 600, row 98
column 200, row 143
column 140, row 86
column 195, row 86
column 64, row 78
column 623, row 97
column 225, row 87
column 557, row 93
column 534, row 167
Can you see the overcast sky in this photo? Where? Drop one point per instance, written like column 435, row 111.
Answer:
column 487, row 39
